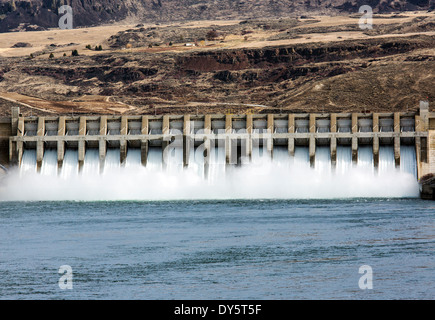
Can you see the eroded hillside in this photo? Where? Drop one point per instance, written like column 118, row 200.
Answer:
column 271, row 71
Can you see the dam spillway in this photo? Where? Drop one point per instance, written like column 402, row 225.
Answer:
column 209, row 146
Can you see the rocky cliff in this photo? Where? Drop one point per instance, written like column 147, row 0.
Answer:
column 16, row 15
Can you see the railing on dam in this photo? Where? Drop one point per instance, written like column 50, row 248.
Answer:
column 236, row 133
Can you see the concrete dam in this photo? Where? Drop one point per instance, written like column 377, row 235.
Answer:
column 305, row 146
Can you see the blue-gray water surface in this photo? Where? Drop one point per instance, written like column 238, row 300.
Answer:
column 245, row 249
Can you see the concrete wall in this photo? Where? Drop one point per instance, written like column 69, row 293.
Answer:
column 5, row 133
column 312, row 130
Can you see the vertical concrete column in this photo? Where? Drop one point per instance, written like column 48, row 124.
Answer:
column 418, row 156
column 123, row 151
column 312, row 142
column 186, row 140
column 82, row 142
column 82, row 126
column 144, row 144
column 354, row 138
column 312, row 148
column 417, row 125
column 166, row 138
column 82, row 152
column 40, row 143
column 123, row 141
column 376, row 151
column 61, row 127
column 144, row 147
column 333, row 142
column 397, row 151
column 102, row 144
column 145, row 125
column 207, row 145
column 20, row 128
column 424, row 115
column 102, row 150
column 376, row 140
column 291, row 129
column 270, row 131
column 431, row 152
column 39, row 154
column 354, row 122
column 103, row 125
column 312, row 123
column 41, row 127
column 354, row 150
column 249, row 130
column 13, row 159
column 228, row 130
column 124, row 125
column 15, row 114
column 397, row 139
column 18, row 148
column 165, row 124
column 61, row 130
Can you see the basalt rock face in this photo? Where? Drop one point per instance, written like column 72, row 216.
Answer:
column 297, row 55
column 39, row 14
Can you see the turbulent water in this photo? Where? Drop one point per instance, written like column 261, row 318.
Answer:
column 282, row 177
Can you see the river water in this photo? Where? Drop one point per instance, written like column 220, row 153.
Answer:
column 257, row 249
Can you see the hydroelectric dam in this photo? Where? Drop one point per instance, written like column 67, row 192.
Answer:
column 312, row 145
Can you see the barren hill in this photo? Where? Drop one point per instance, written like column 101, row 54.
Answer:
column 39, row 14
column 262, row 65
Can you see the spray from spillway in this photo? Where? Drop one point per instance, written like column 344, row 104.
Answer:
column 282, row 177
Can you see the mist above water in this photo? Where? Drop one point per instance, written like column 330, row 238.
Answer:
column 282, row 177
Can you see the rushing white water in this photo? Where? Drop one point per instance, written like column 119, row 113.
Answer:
column 282, row 177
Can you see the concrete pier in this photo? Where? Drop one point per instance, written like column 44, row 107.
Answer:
column 60, row 143
column 236, row 133
column 270, row 131
column 249, row 130
column 228, row 132
column 397, row 139
column 333, row 141
column 376, row 140
column 291, row 131
column 354, row 138
column 144, row 145
column 207, row 144
column 187, row 144
column 166, row 139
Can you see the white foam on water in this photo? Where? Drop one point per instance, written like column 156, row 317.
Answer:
column 282, row 177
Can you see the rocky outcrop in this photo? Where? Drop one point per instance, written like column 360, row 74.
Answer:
column 427, row 187
column 299, row 54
